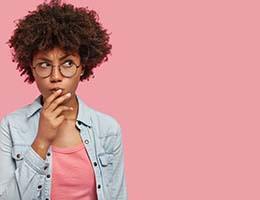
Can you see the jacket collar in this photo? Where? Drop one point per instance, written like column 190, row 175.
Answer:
column 83, row 111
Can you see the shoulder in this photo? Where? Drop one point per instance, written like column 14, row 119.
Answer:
column 13, row 124
column 15, row 117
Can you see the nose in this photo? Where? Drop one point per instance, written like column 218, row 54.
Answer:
column 55, row 74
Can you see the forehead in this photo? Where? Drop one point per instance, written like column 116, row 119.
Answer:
column 55, row 52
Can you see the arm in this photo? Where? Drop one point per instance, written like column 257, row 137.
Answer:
column 119, row 190
column 21, row 181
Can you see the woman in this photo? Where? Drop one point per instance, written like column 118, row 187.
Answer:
column 57, row 147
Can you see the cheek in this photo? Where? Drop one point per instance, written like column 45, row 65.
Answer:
column 42, row 87
column 73, row 85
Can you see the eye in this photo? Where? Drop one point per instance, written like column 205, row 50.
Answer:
column 68, row 63
column 44, row 65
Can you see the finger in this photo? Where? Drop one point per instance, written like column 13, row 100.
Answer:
column 60, row 109
column 51, row 98
column 58, row 101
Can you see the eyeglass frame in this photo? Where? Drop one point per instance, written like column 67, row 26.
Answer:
column 59, row 66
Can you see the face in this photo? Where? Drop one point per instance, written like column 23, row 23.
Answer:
column 56, row 57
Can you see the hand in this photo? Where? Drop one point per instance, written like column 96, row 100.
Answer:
column 50, row 116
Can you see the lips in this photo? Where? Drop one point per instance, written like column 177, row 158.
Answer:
column 55, row 89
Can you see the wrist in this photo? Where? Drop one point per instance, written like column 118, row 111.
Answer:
column 42, row 142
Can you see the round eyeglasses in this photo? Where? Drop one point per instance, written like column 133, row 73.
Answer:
column 67, row 69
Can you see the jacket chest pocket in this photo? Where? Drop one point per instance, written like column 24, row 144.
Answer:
column 18, row 152
column 106, row 162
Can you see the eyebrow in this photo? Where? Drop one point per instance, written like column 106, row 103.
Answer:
column 61, row 58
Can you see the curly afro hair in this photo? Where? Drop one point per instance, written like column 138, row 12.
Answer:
column 57, row 24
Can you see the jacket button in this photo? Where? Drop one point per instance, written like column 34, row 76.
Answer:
column 18, row 155
column 47, row 199
column 48, row 154
column 48, row 175
column 39, row 186
column 95, row 164
column 86, row 141
column 45, row 167
column 99, row 186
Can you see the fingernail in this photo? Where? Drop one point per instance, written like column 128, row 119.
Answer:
column 68, row 94
column 59, row 90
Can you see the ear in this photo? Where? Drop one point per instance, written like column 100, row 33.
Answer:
column 82, row 70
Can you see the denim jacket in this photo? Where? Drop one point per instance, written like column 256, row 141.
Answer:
column 23, row 173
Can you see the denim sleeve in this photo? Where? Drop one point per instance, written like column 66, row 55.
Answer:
column 119, row 190
column 19, row 181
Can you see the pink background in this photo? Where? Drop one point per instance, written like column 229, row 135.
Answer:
column 183, row 81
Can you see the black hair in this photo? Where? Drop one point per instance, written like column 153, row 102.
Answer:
column 56, row 24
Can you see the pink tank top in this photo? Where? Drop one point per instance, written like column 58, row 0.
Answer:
column 72, row 174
